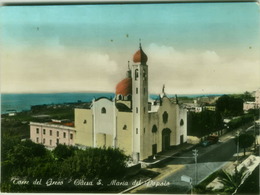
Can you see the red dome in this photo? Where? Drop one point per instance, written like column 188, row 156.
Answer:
column 140, row 56
column 124, row 87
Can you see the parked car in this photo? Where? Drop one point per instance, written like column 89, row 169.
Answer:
column 205, row 143
column 212, row 139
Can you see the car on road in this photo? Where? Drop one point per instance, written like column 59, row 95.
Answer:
column 212, row 139
column 205, row 143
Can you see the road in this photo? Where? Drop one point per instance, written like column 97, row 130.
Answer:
column 209, row 160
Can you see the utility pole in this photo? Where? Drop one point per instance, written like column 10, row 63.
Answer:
column 237, row 145
column 195, row 154
column 255, row 132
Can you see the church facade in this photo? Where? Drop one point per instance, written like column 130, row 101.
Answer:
column 131, row 121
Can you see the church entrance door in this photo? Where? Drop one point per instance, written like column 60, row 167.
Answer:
column 166, row 139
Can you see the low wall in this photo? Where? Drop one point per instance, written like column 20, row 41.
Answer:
column 193, row 140
column 132, row 170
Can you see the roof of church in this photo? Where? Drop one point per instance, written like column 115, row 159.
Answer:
column 140, row 56
column 110, row 99
column 124, row 87
column 122, row 107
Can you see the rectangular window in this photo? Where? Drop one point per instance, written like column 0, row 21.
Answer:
column 43, row 141
column 136, row 130
column 50, row 142
column 37, row 130
column 44, row 131
column 64, row 135
column 71, row 136
column 58, row 133
column 136, row 74
column 57, row 141
column 37, row 140
column 136, row 90
column 136, row 109
column 50, row 132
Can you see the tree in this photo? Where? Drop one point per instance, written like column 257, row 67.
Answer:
column 231, row 181
column 95, row 163
column 229, row 106
column 248, row 96
column 62, row 152
column 222, row 104
column 24, row 159
column 204, row 123
column 245, row 141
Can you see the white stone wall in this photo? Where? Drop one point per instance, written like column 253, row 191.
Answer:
column 249, row 105
column 103, row 118
column 181, row 126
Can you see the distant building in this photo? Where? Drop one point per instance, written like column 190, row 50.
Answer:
column 211, row 108
column 253, row 105
column 193, row 107
column 52, row 133
column 249, row 105
column 11, row 112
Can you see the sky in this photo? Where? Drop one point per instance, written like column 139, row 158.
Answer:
column 192, row 48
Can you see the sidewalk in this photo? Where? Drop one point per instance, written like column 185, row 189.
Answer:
column 162, row 157
column 233, row 133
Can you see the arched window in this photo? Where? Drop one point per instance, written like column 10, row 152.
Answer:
column 129, row 97
column 136, row 74
column 181, row 122
column 103, row 110
column 144, row 75
column 154, row 129
column 120, row 97
column 165, row 117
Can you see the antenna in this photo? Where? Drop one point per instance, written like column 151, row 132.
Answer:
column 163, row 89
column 177, row 101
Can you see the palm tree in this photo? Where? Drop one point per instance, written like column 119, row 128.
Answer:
column 232, row 181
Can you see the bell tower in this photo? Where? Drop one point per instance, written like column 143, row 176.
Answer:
column 139, row 102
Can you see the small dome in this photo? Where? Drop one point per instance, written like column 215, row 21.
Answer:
column 124, row 87
column 140, row 56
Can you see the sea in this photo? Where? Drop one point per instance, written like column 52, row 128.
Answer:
column 23, row 102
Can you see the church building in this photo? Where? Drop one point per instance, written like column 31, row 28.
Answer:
column 131, row 121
